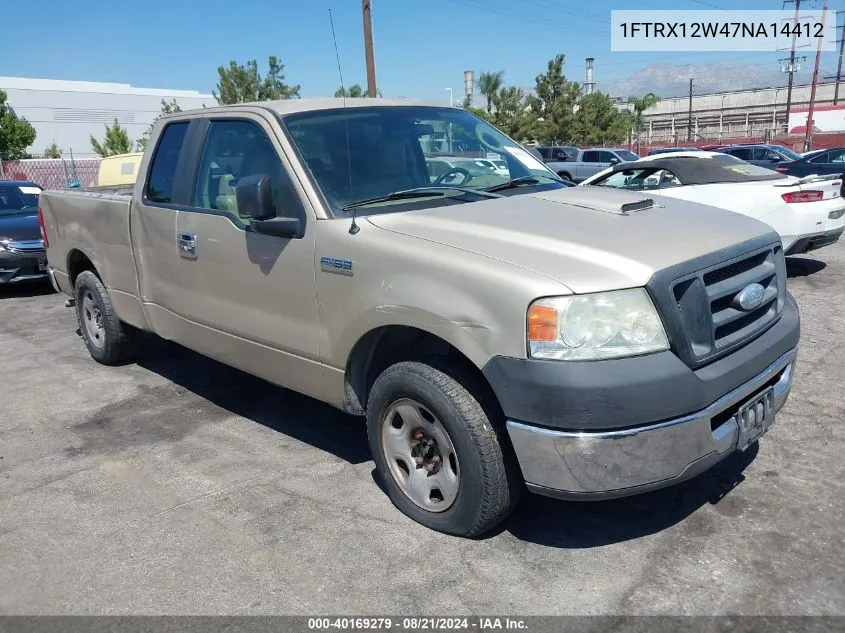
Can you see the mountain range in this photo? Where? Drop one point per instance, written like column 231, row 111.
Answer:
column 669, row 80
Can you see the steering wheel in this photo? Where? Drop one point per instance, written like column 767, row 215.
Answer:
column 452, row 172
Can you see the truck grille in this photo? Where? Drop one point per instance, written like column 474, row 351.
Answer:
column 702, row 309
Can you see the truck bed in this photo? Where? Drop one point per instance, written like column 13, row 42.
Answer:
column 92, row 225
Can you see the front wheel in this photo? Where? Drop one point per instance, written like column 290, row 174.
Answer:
column 108, row 339
column 565, row 176
column 441, row 459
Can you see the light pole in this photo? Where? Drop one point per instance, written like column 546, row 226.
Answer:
column 449, row 128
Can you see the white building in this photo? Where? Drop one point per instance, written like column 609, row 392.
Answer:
column 69, row 112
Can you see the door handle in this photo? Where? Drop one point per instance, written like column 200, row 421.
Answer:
column 187, row 244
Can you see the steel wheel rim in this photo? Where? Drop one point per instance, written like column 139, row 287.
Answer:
column 420, row 455
column 92, row 320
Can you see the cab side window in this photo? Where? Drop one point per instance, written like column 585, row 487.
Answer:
column 163, row 168
column 835, row 156
column 234, row 150
column 743, row 154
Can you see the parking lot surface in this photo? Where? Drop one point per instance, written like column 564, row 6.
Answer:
column 178, row 485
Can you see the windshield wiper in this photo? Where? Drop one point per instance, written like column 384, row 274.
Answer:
column 419, row 192
column 522, row 181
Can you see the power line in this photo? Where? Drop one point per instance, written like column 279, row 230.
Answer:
column 475, row 4
column 554, row 6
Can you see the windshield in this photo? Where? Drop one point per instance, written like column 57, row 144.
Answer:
column 624, row 154
column 16, row 198
column 398, row 148
column 787, row 152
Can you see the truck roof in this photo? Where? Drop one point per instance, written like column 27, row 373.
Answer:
column 291, row 106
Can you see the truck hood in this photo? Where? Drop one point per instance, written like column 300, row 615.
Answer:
column 580, row 237
column 20, row 226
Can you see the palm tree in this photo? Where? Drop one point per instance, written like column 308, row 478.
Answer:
column 641, row 104
column 489, row 84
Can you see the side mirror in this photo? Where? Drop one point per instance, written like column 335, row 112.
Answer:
column 255, row 199
column 776, row 158
column 614, row 161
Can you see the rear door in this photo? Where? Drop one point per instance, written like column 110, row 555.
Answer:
column 591, row 163
column 742, row 153
column 830, row 162
column 153, row 221
column 246, row 298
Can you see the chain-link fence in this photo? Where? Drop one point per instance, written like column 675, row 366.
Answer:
column 52, row 173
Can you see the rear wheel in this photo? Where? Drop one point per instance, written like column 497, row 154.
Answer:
column 440, row 457
column 108, row 339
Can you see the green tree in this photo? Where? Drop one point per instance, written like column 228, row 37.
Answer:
column 243, row 83
column 640, row 105
column 16, row 133
column 116, row 141
column 489, row 84
column 555, row 102
column 513, row 115
column 604, row 122
column 167, row 107
column 353, row 92
column 52, row 151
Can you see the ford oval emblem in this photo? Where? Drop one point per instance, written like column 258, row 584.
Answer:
column 750, row 297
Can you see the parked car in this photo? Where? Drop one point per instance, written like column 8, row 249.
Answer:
column 451, row 170
column 763, row 155
column 22, row 254
column 557, row 153
column 824, row 161
column 499, row 167
column 585, row 342
column 807, row 213
column 591, row 161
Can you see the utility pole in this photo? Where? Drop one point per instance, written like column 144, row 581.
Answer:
column 839, row 67
column 808, row 134
column 689, row 114
column 368, row 48
column 791, row 69
column 584, row 107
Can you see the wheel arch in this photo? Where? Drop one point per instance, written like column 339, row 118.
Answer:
column 385, row 345
column 77, row 262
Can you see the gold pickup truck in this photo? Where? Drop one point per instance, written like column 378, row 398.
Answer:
column 498, row 330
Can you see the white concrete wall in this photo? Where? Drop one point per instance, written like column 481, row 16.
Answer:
column 68, row 112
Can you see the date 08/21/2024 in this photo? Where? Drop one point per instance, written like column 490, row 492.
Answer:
column 720, row 29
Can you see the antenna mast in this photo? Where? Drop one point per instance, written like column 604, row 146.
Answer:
column 353, row 228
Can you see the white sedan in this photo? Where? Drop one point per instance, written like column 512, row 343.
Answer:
column 808, row 213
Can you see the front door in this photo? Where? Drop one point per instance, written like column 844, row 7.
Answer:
column 250, row 298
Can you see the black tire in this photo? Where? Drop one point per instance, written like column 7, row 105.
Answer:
column 565, row 176
column 490, row 480
column 118, row 341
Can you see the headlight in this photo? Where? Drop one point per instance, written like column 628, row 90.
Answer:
column 595, row 326
column 4, row 244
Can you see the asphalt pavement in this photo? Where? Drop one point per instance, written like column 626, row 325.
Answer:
column 177, row 485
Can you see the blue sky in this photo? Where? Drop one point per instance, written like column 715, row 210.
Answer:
column 421, row 46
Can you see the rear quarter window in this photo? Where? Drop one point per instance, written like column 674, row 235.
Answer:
column 165, row 161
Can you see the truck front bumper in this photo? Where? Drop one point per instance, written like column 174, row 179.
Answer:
column 605, row 429
column 584, row 465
